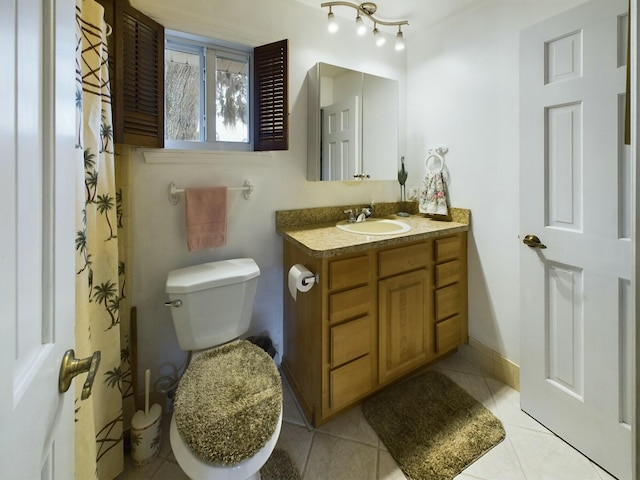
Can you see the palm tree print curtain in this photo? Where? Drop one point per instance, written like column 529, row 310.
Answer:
column 99, row 288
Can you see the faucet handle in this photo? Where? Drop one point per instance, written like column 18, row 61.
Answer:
column 352, row 217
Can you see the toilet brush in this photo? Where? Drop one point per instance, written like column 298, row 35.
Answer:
column 145, row 429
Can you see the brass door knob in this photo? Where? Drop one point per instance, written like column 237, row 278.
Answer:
column 533, row 242
column 71, row 366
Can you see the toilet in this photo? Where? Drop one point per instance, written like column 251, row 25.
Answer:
column 228, row 405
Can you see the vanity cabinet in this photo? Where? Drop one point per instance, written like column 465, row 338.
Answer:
column 450, row 292
column 350, row 332
column 405, row 306
column 375, row 316
column 329, row 333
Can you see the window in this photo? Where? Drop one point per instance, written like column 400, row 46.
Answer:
column 255, row 118
column 183, row 95
column 207, row 95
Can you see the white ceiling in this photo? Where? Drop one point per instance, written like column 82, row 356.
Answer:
column 420, row 13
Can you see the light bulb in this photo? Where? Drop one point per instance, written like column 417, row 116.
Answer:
column 379, row 39
column 333, row 24
column 361, row 28
column 400, row 43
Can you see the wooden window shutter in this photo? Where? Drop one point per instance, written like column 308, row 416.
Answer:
column 271, row 97
column 139, row 78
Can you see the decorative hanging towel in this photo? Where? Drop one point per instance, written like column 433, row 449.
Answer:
column 433, row 194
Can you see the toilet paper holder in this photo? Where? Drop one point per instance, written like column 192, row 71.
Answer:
column 315, row 278
column 300, row 279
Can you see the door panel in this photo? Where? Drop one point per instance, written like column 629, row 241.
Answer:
column 565, row 328
column 564, row 166
column 575, row 293
column 37, row 203
column 404, row 322
column 340, row 140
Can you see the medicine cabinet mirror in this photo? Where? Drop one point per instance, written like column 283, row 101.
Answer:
column 352, row 125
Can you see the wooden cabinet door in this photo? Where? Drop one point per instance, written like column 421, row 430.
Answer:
column 405, row 323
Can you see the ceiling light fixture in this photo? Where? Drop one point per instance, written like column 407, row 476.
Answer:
column 377, row 36
column 367, row 9
column 361, row 28
column 332, row 26
column 400, row 43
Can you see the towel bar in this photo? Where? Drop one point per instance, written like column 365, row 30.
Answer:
column 247, row 190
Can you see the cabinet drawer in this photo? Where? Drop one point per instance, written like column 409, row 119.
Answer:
column 404, row 259
column 348, row 272
column 448, row 273
column 350, row 381
column 350, row 341
column 447, row 248
column 447, row 301
column 349, row 304
column 448, row 334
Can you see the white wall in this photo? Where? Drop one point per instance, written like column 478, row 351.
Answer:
column 463, row 86
column 279, row 178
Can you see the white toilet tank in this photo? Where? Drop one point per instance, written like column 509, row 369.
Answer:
column 215, row 301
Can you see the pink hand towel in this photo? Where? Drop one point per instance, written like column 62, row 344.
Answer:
column 206, row 217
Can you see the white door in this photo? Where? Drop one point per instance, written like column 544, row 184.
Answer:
column 37, row 203
column 340, row 140
column 576, row 193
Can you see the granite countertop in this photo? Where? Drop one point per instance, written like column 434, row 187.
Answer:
column 323, row 239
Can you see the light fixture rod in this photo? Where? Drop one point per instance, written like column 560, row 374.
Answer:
column 363, row 11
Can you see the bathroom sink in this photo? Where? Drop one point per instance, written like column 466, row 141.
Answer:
column 374, row 226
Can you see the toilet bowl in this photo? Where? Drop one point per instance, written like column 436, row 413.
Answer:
column 229, row 384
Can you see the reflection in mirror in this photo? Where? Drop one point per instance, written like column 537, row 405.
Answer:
column 352, row 125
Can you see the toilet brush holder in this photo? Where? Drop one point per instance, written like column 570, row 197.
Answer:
column 146, row 430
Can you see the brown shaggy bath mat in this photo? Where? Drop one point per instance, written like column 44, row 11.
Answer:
column 432, row 427
column 279, row 467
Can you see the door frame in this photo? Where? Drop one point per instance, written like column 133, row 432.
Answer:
column 634, row 46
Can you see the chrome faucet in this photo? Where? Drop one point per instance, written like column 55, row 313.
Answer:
column 363, row 215
column 360, row 215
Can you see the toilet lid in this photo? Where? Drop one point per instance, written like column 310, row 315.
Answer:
column 228, row 403
column 211, row 275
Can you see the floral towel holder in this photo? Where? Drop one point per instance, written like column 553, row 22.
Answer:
column 435, row 155
column 433, row 195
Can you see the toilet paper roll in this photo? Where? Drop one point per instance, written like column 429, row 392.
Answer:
column 300, row 279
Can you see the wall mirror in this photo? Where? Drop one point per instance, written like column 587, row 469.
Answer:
column 352, row 125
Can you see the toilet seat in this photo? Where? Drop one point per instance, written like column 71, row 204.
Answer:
column 197, row 469
column 228, row 412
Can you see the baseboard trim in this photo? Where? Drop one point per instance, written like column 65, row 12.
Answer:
column 492, row 362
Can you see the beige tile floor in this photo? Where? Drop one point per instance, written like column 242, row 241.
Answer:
column 348, row 449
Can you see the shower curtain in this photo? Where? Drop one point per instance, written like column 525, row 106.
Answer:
column 99, row 449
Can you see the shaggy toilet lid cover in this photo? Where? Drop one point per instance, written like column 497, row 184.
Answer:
column 228, row 403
